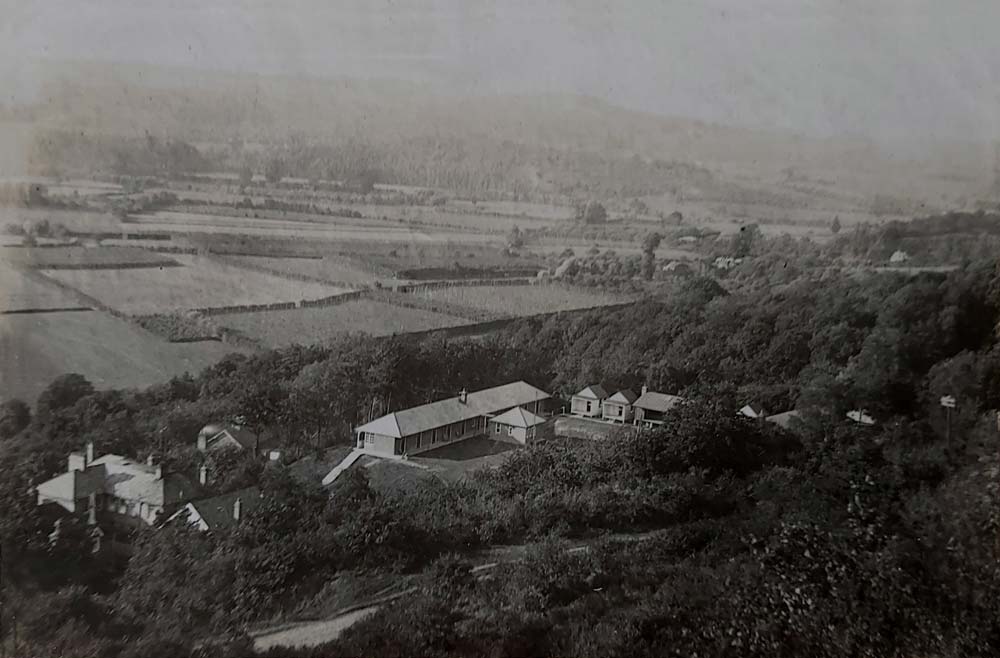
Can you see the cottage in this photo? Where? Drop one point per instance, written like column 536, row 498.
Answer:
column 588, row 402
column 618, row 407
column 651, row 406
column 122, row 491
column 214, row 437
column 518, row 426
column 899, row 256
column 418, row 429
column 219, row 513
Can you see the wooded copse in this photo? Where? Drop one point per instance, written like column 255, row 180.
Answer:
column 835, row 540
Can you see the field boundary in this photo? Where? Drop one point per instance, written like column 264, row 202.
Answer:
column 64, row 309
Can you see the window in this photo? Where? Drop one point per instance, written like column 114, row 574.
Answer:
column 497, row 426
column 588, row 406
column 510, row 430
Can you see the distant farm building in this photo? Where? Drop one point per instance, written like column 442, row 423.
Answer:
column 899, row 256
column 678, row 269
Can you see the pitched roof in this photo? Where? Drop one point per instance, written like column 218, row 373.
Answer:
column 121, row 477
column 429, row 416
column 230, row 435
column 217, row 512
column 500, row 398
column 785, row 418
column 595, row 392
column 625, row 396
column 518, row 417
column 653, row 401
column 753, row 411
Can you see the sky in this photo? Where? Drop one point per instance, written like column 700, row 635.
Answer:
column 895, row 69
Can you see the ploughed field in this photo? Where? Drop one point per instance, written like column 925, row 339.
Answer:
column 36, row 348
column 199, row 282
column 321, row 324
column 519, row 300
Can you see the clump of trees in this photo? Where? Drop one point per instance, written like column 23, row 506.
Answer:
column 744, row 539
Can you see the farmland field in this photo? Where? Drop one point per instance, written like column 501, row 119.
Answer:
column 328, row 268
column 318, row 325
column 199, row 283
column 111, row 353
column 79, row 257
column 519, row 300
column 19, row 292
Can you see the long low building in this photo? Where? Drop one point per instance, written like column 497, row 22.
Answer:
column 419, row 429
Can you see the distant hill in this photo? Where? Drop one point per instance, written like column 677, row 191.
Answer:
column 553, row 143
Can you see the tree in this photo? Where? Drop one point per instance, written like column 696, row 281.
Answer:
column 835, row 225
column 515, row 239
column 63, row 392
column 14, row 417
column 274, row 170
column 246, row 175
column 745, row 239
column 649, row 245
column 260, row 406
column 366, row 181
column 591, row 213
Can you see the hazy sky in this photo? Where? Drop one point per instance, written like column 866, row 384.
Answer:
column 891, row 68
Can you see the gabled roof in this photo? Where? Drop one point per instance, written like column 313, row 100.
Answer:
column 594, row 392
column 231, row 435
column 625, row 396
column 123, row 478
column 784, row 419
column 653, row 401
column 501, row 398
column 753, row 411
column 452, row 410
column 518, row 417
column 217, row 512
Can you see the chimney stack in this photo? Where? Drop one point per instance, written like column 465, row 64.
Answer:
column 90, row 453
column 203, row 475
column 150, row 461
column 463, row 396
column 645, row 389
column 237, row 509
column 159, row 471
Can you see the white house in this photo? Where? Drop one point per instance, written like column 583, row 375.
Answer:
column 119, row 489
column 588, row 402
column 899, row 256
column 618, row 407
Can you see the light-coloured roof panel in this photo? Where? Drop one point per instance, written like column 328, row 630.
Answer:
column 653, row 401
column 625, row 396
column 594, row 392
column 518, row 417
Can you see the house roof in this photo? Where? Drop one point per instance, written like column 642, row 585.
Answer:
column 217, row 512
column 518, row 417
column 753, row 411
column 232, row 435
column 452, row 410
column 653, row 401
column 625, row 396
column 594, row 392
column 785, row 418
column 121, row 477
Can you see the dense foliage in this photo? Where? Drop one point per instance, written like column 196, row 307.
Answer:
column 727, row 537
